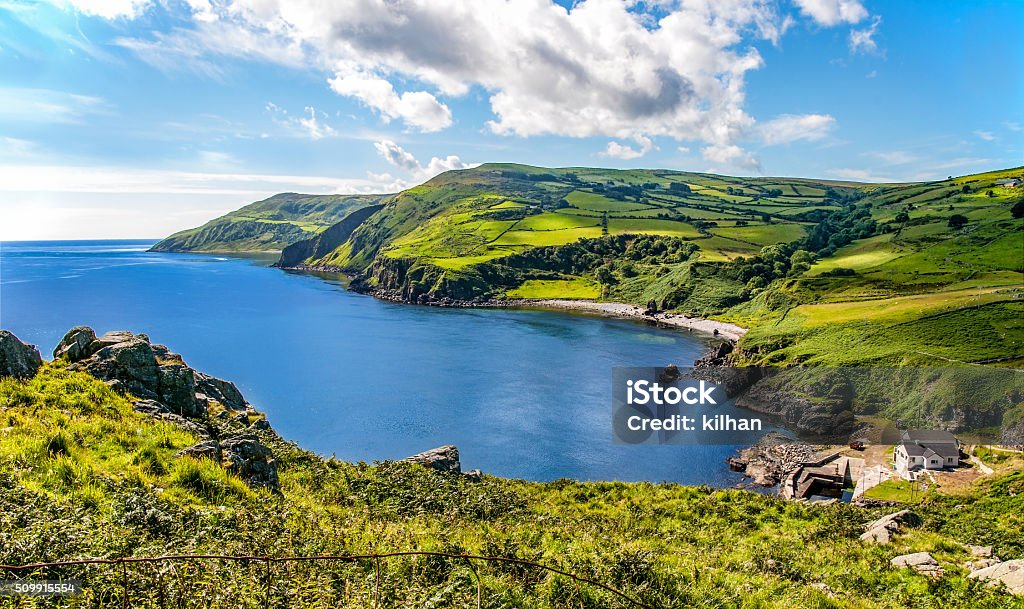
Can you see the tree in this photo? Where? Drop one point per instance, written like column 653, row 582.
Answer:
column 989, row 193
column 1018, row 209
column 957, row 221
column 903, row 217
column 604, row 275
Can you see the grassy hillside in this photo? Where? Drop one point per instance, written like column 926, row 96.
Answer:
column 82, row 474
column 892, row 273
column 267, row 225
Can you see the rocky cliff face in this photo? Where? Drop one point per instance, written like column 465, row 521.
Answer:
column 413, row 281
column 315, row 248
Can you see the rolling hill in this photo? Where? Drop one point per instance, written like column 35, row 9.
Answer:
column 821, row 272
column 267, row 225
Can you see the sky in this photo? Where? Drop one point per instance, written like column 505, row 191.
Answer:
column 137, row 118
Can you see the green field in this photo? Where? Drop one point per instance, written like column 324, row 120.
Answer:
column 568, row 289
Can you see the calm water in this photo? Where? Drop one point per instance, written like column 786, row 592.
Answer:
column 522, row 393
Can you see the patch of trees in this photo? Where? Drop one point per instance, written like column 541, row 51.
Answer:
column 1018, row 209
column 957, row 220
column 839, row 272
column 840, row 228
column 679, row 188
column 771, row 263
column 531, row 177
column 586, row 255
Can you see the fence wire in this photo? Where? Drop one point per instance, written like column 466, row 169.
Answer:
column 171, row 578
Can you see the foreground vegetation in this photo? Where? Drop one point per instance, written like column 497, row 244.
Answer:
column 82, row 474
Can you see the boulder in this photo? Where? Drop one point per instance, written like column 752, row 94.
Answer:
column 880, row 531
column 1010, row 573
column 76, row 344
column 473, row 475
column 18, row 359
column 250, row 460
column 442, row 459
column 922, row 562
column 207, row 449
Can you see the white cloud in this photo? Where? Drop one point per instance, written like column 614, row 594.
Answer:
column 417, row 109
column 403, row 159
column 792, row 128
column 988, row 136
column 859, row 175
column 613, row 68
column 1012, row 126
column 619, row 151
column 731, row 155
column 108, row 9
column 317, row 130
column 26, row 105
column 863, row 40
column 17, row 148
column 833, row 12
column 683, row 149
column 118, row 180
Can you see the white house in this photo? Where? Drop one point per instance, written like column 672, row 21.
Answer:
column 926, row 449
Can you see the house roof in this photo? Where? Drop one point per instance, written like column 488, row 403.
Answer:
column 929, row 436
column 930, row 443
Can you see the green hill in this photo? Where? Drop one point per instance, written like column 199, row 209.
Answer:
column 883, row 271
column 267, row 225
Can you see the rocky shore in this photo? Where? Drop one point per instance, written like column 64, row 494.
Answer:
column 774, row 456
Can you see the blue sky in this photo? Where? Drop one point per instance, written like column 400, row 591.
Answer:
column 135, row 118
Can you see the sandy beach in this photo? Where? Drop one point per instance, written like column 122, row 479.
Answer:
column 627, row 311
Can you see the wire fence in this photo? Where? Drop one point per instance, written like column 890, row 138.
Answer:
column 266, row 563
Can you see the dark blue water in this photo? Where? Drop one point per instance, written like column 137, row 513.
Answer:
column 522, row 393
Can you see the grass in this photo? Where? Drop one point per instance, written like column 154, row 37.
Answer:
column 902, row 491
column 76, row 494
column 567, row 289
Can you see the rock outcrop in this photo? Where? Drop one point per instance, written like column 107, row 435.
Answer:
column 442, row 459
column 250, row 460
column 131, row 363
column 922, row 562
column 1010, row 573
column 881, row 531
column 17, row 359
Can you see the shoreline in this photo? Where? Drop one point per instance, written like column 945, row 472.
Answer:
column 617, row 310
column 628, row 311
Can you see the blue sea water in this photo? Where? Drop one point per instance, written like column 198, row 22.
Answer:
column 522, row 393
